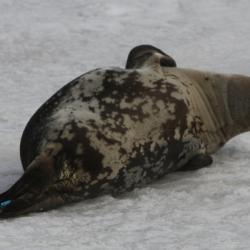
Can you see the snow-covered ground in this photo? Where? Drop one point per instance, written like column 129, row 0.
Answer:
column 44, row 44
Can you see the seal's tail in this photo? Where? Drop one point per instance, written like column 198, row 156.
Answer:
column 28, row 194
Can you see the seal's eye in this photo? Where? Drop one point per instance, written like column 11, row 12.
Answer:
column 167, row 62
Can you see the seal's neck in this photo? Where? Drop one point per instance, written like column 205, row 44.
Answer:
column 238, row 101
column 229, row 97
column 226, row 99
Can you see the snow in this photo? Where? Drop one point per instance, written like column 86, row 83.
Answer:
column 45, row 44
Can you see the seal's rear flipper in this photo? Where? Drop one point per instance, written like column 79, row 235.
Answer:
column 24, row 205
column 199, row 161
column 29, row 189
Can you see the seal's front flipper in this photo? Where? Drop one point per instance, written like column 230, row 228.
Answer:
column 199, row 161
column 29, row 189
column 148, row 54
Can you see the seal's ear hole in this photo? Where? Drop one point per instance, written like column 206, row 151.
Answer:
column 167, row 62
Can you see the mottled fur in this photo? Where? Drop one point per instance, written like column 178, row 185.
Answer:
column 111, row 130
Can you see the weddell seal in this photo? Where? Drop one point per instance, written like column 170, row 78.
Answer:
column 111, row 130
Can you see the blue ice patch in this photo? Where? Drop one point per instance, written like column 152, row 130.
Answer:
column 5, row 203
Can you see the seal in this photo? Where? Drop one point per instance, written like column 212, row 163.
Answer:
column 111, row 130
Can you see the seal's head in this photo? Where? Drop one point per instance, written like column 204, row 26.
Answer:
column 143, row 55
